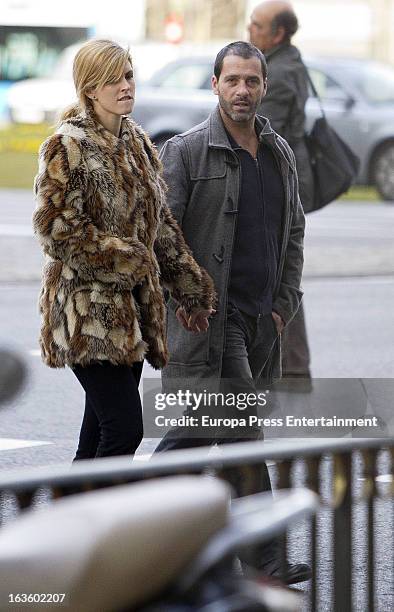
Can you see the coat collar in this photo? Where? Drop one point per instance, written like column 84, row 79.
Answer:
column 218, row 138
column 270, row 52
column 85, row 124
column 285, row 48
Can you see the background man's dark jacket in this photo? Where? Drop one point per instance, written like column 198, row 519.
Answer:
column 284, row 106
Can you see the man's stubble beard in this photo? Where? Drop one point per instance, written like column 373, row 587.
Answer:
column 234, row 116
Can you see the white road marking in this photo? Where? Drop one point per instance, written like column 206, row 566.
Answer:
column 13, row 229
column 11, row 443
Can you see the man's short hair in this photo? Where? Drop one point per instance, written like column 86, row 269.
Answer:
column 242, row 49
column 288, row 21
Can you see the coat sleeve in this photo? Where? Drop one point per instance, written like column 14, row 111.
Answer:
column 284, row 102
column 279, row 102
column 189, row 284
column 289, row 296
column 67, row 233
column 177, row 177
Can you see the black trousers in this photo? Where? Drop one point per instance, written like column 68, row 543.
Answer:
column 112, row 423
column 295, row 349
column 248, row 344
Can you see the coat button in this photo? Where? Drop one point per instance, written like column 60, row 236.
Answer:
column 219, row 257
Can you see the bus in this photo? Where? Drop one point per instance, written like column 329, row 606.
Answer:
column 34, row 33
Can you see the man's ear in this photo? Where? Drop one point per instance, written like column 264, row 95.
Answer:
column 278, row 38
column 265, row 88
column 214, row 83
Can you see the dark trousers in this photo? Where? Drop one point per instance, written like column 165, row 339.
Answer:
column 112, row 422
column 295, row 349
column 248, row 344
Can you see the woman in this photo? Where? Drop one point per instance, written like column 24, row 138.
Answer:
column 109, row 241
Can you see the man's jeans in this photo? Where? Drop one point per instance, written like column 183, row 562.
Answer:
column 248, row 344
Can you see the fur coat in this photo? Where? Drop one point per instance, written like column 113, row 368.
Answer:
column 110, row 243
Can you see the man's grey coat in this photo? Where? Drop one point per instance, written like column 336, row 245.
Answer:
column 203, row 177
column 284, row 105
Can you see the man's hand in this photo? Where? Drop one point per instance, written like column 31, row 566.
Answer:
column 278, row 322
column 196, row 322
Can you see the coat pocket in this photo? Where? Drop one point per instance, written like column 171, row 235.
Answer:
column 185, row 348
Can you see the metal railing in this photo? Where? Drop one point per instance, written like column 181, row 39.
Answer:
column 344, row 473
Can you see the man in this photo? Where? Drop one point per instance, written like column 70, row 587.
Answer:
column 232, row 186
column 272, row 25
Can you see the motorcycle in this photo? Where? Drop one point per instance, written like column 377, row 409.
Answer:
column 161, row 545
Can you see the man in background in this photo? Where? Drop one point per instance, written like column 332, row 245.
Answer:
column 272, row 25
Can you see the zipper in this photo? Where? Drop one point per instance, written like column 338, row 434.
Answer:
column 261, row 183
column 234, row 227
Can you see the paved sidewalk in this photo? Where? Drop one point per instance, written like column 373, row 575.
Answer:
column 350, row 239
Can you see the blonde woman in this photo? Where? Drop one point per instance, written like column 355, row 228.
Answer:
column 110, row 242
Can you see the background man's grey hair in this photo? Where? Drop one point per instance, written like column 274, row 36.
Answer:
column 242, row 49
column 288, row 21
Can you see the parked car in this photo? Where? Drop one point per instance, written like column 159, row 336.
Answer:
column 40, row 100
column 357, row 97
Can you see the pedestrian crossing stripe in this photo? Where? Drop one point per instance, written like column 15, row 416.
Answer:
column 12, row 443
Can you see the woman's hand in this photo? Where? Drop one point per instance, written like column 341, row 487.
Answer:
column 196, row 322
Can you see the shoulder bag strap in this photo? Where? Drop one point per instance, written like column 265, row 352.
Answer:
column 315, row 94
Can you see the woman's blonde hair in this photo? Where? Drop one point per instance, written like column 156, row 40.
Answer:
column 97, row 62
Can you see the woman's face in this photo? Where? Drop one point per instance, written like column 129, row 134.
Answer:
column 116, row 97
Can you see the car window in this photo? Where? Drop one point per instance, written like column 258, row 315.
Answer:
column 326, row 87
column 188, row 76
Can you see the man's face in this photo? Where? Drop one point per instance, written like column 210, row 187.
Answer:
column 240, row 87
column 260, row 32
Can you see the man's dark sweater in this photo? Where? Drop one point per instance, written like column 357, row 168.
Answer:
column 257, row 240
